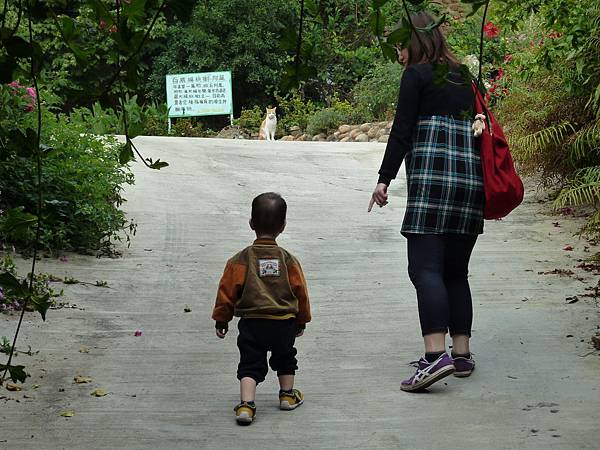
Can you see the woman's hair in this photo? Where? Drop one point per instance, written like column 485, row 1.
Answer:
column 428, row 46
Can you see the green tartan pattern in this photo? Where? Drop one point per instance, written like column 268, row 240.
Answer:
column 444, row 178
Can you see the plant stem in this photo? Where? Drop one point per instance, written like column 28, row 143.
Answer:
column 299, row 41
column 487, row 4
column 39, row 193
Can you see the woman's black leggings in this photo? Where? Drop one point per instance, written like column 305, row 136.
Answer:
column 438, row 268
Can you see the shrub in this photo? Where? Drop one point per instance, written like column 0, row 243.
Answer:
column 294, row 110
column 251, row 119
column 376, row 95
column 329, row 119
column 82, row 181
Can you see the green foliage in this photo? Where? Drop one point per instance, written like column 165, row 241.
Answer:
column 376, row 95
column 294, row 110
column 190, row 128
column 251, row 119
column 237, row 35
column 15, row 290
column 329, row 119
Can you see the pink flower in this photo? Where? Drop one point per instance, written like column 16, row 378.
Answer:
column 499, row 74
column 63, row 258
column 491, row 30
column 29, row 92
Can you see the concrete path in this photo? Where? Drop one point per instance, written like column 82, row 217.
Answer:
column 174, row 387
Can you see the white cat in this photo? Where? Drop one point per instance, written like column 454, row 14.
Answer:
column 268, row 126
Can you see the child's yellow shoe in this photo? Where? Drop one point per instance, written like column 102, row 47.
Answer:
column 245, row 412
column 291, row 399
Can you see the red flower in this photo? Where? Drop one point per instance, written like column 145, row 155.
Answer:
column 507, row 59
column 102, row 25
column 499, row 74
column 113, row 29
column 491, row 30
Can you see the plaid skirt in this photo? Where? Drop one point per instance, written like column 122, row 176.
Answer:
column 444, row 178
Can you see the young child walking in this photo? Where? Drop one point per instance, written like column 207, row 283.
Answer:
column 264, row 286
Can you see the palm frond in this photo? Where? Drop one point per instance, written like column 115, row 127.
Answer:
column 587, row 141
column 535, row 142
column 583, row 189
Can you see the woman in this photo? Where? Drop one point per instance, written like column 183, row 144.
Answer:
column 444, row 212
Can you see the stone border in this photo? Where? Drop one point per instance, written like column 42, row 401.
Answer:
column 367, row 132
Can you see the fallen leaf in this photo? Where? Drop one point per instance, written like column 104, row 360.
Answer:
column 138, row 333
column 568, row 248
column 80, row 380
column 571, row 300
column 187, row 309
column 13, row 387
column 35, row 386
column 84, row 350
column 67, row 413
column 99, row 393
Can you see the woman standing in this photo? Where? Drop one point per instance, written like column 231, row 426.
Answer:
column 444, row 212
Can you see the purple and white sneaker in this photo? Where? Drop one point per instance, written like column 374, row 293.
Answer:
column 428, row 373
column 464, row 366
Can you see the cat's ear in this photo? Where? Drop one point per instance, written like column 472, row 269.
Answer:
column 274, row 109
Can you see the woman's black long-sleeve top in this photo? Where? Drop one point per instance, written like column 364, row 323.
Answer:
column 420, row 95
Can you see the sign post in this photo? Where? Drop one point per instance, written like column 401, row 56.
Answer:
column 199, row 94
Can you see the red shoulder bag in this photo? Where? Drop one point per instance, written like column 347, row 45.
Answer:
column 503, row 187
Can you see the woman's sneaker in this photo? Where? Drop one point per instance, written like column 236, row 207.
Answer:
column 291, row 399
column 428, row 373
column 464, row 366
column 244, row 413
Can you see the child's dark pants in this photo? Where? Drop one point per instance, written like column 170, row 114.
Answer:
column 438, row 267
column 257, row 337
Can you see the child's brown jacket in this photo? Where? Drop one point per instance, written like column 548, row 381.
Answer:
column 262, row 281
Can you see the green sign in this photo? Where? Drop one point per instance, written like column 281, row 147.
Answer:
column 199, row 94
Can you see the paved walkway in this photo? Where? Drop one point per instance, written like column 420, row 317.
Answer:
column 174, row 387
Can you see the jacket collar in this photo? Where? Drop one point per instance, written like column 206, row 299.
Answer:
column 264, row 241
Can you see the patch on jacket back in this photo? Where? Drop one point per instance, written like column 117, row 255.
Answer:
column 268, row 268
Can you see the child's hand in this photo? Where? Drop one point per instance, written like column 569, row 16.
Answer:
column 221, row 332
column 221, row 329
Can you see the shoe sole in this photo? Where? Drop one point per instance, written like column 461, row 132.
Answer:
column 464, row 374
column 285, row 406
column 437, row 376
column 244, row 419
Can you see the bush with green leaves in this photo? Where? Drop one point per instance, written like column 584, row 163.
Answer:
column 251, row 119
column 376, row 95
column 82, row 183
column 329, row 119
column 10, row 298
column 294, row 110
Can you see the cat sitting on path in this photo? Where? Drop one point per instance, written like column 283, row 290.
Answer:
column 268, row 126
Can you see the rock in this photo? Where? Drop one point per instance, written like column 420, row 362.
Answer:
column 355, row 133
column 232, row 132
column 383, row 138
column 389, row 124
column 382, row 124
column 362, row 137
column 382, row 133
column 373, row 132
column 337, row 134
column 365, row 127
column 331, row 138
column 346, row 139
column 344, row 128
column 287, row 138
column 319, row 137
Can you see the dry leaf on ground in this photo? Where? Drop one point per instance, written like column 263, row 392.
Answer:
column 67, row 413
column 80, row 380
column 99, row 393
column 13, row 387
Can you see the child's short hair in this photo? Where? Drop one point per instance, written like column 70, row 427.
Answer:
column 268, row 213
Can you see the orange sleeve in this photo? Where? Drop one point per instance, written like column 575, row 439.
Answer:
column 230, row 289
column 298, row 284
